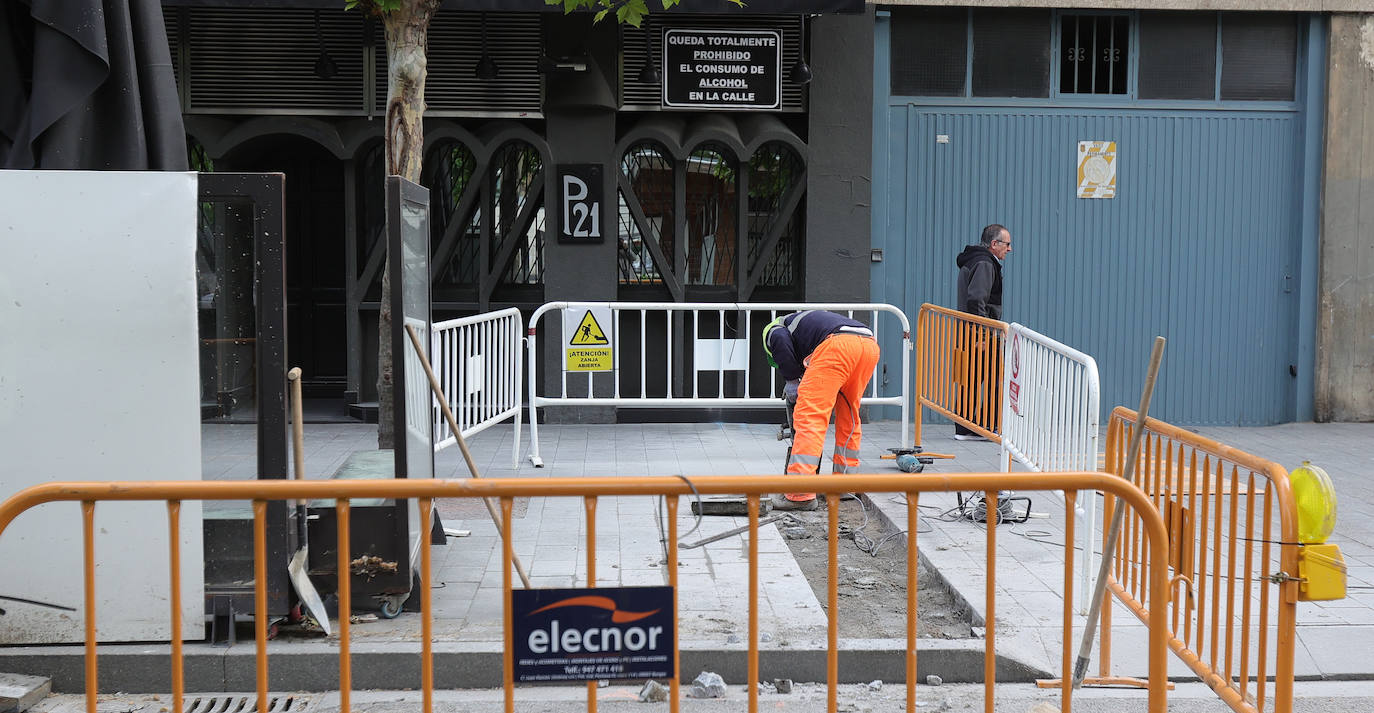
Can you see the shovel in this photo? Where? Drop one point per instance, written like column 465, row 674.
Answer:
column 300, row 580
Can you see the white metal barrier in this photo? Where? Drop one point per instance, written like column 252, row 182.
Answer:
column 1050, row 398
column 479, row 364
column 725, row 360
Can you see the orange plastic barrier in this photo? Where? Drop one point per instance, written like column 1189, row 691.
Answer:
column 1233, row 559
column 959, row 368
column 1148, row 539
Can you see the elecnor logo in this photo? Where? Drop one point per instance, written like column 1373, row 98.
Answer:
column 593, row 634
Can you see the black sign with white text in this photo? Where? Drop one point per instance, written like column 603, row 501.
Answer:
column 579, row 203
column 593, row 634
column 722, row 69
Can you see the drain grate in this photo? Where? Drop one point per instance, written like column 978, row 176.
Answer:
column 245, row 704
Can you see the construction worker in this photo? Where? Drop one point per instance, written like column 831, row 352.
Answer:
column 823, row 358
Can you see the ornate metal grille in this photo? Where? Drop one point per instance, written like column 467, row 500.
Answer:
column 514, row 171
column 448, row 171
column 711, row 218
column 372, row 218
column 649, row 170
column 776, row 174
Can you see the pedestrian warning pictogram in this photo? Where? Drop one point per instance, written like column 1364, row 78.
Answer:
column 589, row 332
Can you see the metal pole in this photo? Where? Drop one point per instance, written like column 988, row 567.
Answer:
column 1109, row 547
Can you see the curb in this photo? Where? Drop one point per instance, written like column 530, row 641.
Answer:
column 139, row 668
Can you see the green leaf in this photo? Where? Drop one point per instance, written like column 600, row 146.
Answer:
column 600, row 15
column 632, row 12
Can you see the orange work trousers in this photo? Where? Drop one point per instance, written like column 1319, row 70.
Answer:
column 837, row 371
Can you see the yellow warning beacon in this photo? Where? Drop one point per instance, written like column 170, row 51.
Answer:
column 1321, row 568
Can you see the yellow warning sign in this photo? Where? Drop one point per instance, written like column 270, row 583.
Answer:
column 585, row 343
column 590, row 359
column 588, row 332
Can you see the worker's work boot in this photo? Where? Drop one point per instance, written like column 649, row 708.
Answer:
column 780, row 502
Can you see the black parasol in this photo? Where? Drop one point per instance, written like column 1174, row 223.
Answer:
column 88, row 84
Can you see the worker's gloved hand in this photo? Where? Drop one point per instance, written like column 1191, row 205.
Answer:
column 789, row 390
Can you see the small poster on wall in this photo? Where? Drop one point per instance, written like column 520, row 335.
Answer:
column 1096, row 169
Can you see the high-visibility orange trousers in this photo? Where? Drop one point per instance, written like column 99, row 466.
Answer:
column 837, row 371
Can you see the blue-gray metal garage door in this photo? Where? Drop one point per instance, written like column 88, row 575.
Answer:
column 1202, row 243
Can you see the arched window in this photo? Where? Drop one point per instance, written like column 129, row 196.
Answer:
column 712, row 210
column 646, row 216
column 371, row 177
column 455, row 224
column 517, row 251
column 776, row 186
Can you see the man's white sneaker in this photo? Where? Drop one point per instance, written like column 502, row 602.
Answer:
column 969, row 437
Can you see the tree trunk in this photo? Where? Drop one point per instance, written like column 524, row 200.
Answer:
column 407, row 30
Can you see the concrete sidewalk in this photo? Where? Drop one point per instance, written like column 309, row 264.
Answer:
column 1335, row 639
column 549, row 535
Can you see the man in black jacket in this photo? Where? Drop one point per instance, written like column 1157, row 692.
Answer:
column 980, row 287
column 980, row 273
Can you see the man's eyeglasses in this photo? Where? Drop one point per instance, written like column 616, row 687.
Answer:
column 1004, row 242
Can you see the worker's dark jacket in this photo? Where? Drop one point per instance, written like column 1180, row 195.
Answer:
column 980, row 282
column 792, row 339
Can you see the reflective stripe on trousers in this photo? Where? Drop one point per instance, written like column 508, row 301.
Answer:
column 837, row 373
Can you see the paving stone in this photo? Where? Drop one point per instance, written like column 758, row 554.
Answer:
column 19, row 693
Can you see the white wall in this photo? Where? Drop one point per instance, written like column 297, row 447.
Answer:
column 98, row 381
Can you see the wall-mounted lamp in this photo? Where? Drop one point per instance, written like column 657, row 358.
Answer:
column 649, row 74
column 567, row 63
column 486, row 66
column 325, row 67
column 800, row 72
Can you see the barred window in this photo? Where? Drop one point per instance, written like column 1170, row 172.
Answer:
column 1095, row 53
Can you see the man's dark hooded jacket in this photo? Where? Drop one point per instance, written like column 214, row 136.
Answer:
column 980, row 282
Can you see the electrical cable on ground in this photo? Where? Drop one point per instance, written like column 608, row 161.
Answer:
column 661, row 516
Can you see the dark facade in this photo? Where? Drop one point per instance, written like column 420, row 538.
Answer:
column 699, row 204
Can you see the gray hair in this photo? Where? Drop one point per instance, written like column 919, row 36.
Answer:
column 991, row 233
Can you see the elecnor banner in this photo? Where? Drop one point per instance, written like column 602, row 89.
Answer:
column 722, row 69
column 593, row 634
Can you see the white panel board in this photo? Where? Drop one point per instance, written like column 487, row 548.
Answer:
column 99, row 380
column 721, row 354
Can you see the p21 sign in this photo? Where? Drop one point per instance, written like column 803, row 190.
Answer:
column 580, row 202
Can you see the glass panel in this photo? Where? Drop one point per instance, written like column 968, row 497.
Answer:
column 1094, row 54
column 225, row 263
column 514, row 170
column 650, row 172
column 711, row 223
column 414, row 256
column 1011, row 53
column 1178, row 55
column 929, row 51
column 1258, row 56
column 774, row 171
